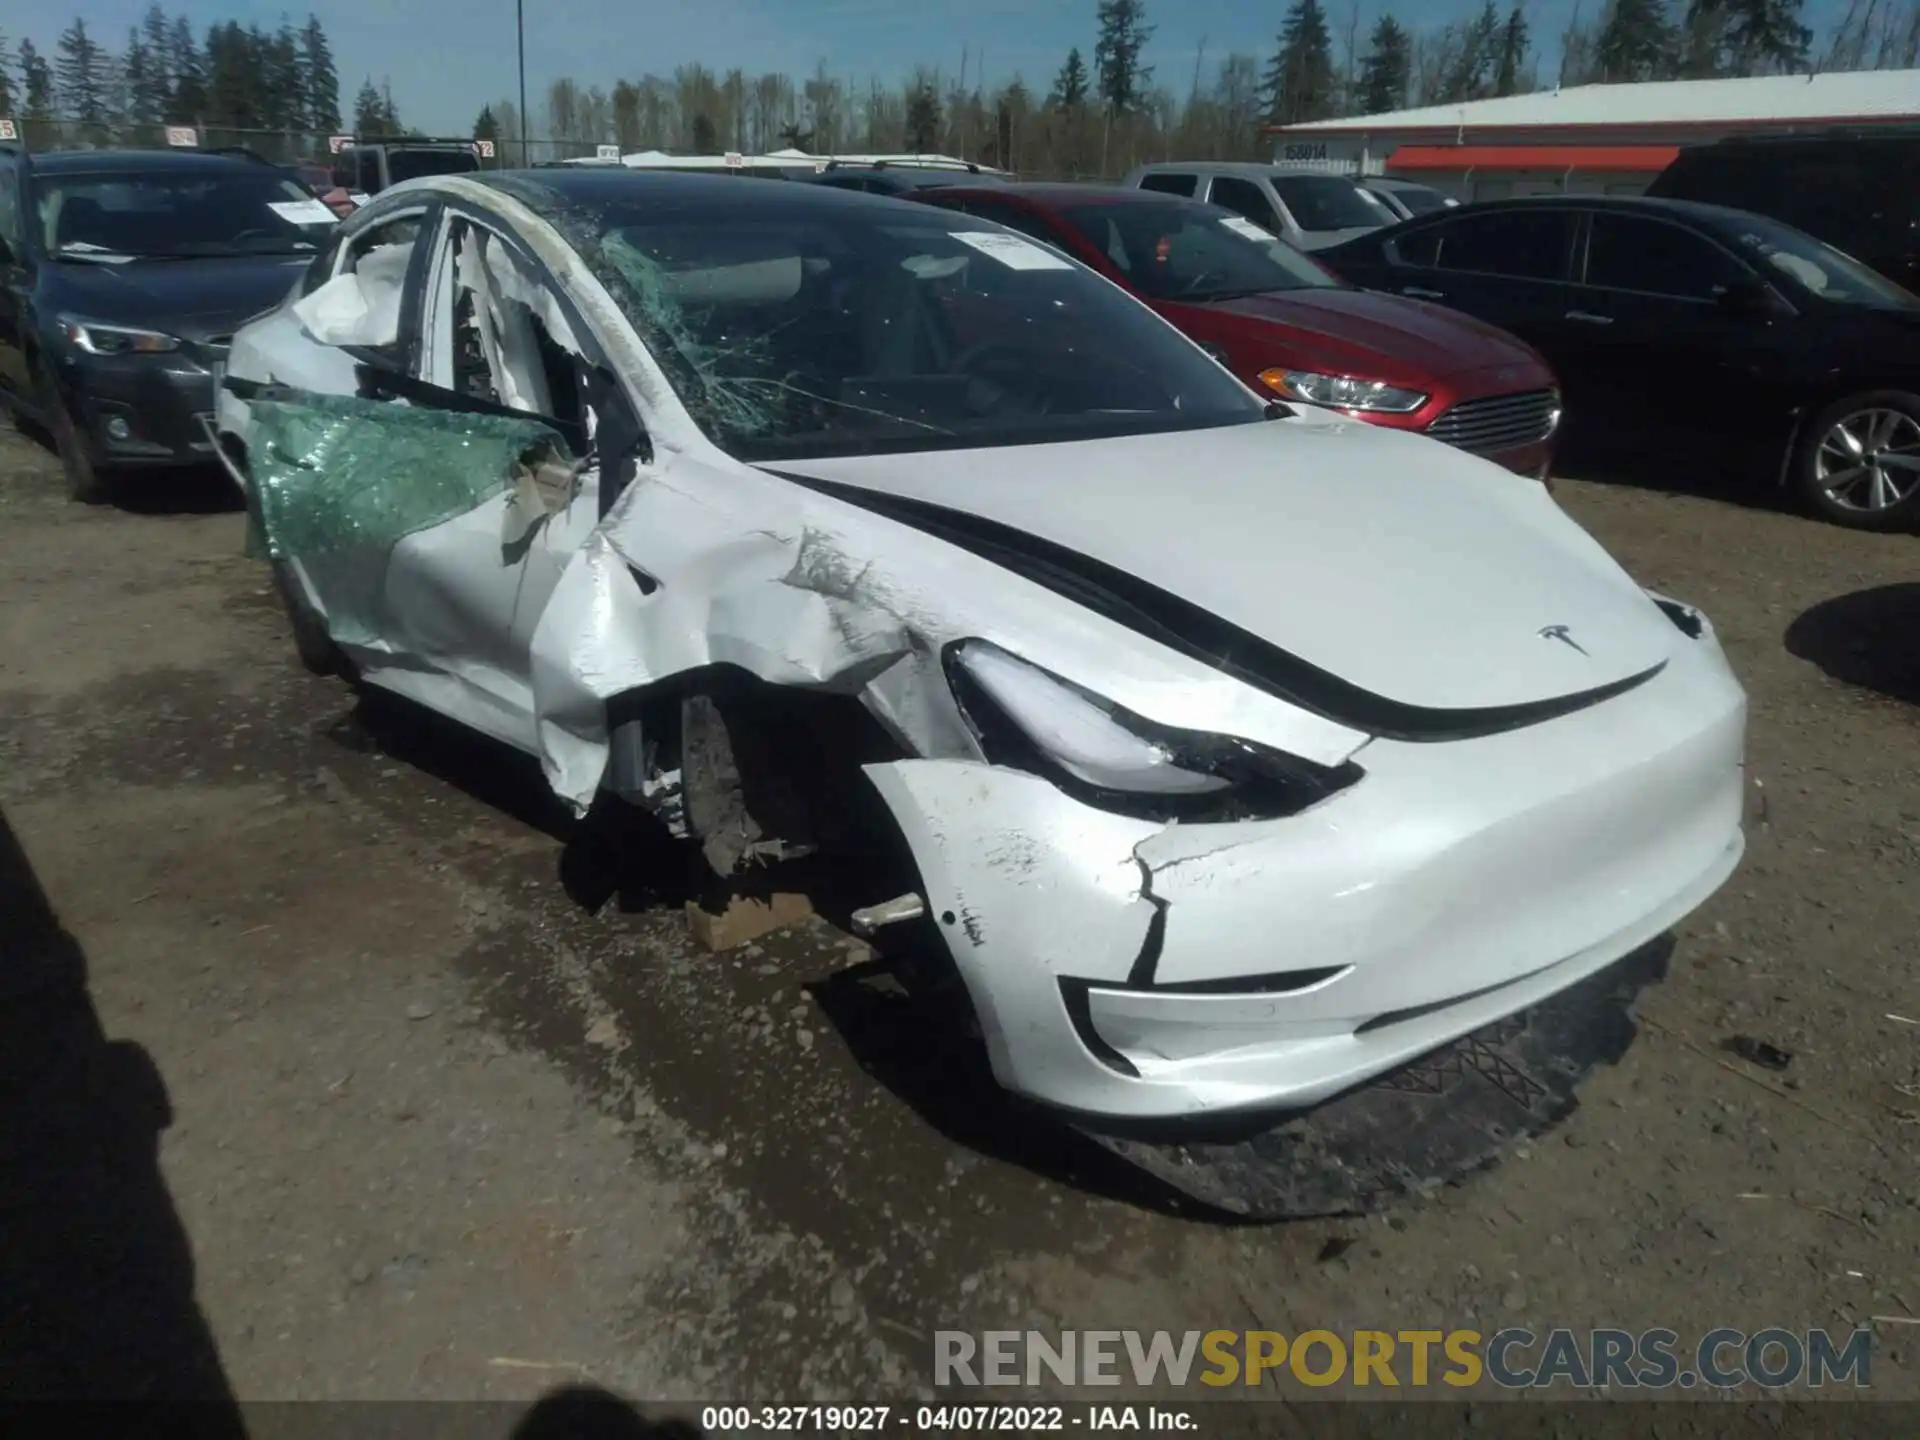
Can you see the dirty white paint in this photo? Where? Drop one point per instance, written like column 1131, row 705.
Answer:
column 1473, row 876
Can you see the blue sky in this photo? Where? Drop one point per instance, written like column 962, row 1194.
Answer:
column 446, row 58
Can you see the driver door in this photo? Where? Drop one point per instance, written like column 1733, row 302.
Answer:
column 471, row 460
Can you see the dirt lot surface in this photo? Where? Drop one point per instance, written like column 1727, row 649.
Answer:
column 427, row 1125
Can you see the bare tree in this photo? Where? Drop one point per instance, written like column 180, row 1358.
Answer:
column 563, row 111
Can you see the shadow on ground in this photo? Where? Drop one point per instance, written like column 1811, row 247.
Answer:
column 587, row 1412
column 1870, row 638
column 96, row 1275
column 1672, row 465
column 156, row 490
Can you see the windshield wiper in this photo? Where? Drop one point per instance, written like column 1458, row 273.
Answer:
column 1207, row 297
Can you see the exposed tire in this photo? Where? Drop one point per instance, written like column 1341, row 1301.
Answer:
column 85, row 481
column 311, row 641
column 1857, row 462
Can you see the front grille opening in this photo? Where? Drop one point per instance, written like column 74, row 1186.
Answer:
column 1499, row 422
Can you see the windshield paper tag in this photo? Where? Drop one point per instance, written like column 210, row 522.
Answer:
column 1016, row 252
column 302, row 212
column 1241, row 226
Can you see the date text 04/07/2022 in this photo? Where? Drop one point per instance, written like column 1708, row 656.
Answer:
column 943, row 1419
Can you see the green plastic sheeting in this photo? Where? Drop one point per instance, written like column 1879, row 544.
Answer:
column 340, row 481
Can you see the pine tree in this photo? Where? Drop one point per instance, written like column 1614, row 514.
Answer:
column 155, row 41
column 923, row 117
column 1507, row 77
column 1116, row 54
column 320, row 81
column 1300, row 82
column 1387, row 67
column 1766, row 34
column 233, row 77
column 1070, row 85
column 369, row 111
column 283, row 102
column 1635, row 41
column 187, row 66
column 36, row 83
column 6, row 77
column 80, row 75
column 138, row 96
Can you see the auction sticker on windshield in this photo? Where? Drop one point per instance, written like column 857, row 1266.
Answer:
column 1013, row 251
column 302, row 212
column 1247, row 228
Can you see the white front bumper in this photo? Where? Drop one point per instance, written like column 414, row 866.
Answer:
column 1454, row 884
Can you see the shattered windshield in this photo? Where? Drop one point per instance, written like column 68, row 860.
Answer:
column 1196, row 253
column 182, row 215
column 829, row 329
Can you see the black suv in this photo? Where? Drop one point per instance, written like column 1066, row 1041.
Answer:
column 123, row 275
column 1858, row 190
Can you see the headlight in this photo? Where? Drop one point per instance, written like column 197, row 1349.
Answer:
column 1029, row 719
column 97, row 339
column 1342, row 392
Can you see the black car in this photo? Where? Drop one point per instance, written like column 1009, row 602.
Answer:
column 123, row 275
column 1677, row 322
column 1858, row 190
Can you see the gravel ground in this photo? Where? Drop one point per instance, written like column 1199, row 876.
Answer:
column 327, row 1082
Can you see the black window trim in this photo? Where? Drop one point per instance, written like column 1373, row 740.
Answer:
column 1288, row 225
column 1576, row 241
column 1583, row 240
column 1192, row 177
column 403, row 356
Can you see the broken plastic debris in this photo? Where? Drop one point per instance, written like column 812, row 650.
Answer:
column 342, row 480
column 1757, row 1052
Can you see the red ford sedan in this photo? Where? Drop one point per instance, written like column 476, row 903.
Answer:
column 1286, row 325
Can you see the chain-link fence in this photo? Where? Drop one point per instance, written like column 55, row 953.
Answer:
column 283, row 147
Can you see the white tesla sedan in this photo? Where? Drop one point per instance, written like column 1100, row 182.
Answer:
column 1242, row 755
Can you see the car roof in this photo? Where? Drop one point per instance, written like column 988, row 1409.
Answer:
column 119, row 162
column 591, row 186
column 1621, row 204
column 1254, row 168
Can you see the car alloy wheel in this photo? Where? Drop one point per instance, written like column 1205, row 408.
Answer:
column 1869, row 460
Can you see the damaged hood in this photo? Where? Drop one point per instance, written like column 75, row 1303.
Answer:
column 1405, row 568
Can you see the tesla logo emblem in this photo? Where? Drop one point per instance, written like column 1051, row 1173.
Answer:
column 1563, row 635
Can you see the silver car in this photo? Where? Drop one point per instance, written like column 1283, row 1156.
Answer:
column 1309, row 209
